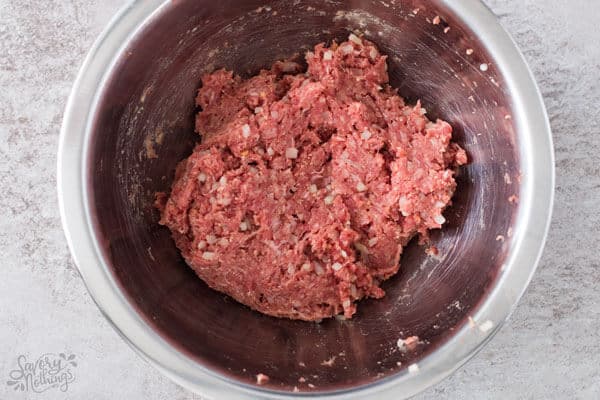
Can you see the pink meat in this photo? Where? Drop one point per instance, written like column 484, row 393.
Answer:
column 306, row 186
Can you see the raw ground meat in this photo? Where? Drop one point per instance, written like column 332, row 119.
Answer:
column 306, row 186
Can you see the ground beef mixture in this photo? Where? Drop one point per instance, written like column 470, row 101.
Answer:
column 307, row 185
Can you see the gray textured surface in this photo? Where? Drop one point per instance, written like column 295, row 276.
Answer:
column 550, row 349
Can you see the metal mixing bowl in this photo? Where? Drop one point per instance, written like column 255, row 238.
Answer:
column 130, row 120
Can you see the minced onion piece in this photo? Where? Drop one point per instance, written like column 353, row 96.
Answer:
column 319, row 269
column 365, row 135
column 224, row 201
column 439, row 219
column 373, row 53
column 246, row 130
column 353, row 291
column 208, row 255
column 403, row 203
column 328, row 200
column 291, row 152
column 401, row 345
column 347, row 49
column 202, row 177
column 361, row 187
column 336, row 266
column 201, row 245
column 211, row 239
column 353, row 38
column 328, row 55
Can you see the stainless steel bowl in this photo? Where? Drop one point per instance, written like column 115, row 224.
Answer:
column 130, row 119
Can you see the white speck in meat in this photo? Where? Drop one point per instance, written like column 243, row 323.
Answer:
column 246, row 131
column 439, row 219
column 373, row 53
column 361, row 187
column 353, row 38
column 211, row 239
column 346, row 49
column 291, row 152
column 319, row 269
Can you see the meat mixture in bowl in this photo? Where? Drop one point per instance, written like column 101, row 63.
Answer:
column 306, row 185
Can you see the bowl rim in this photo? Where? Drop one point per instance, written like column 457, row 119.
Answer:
column 532, row 221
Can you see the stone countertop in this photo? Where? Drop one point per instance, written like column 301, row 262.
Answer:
column 550, row 348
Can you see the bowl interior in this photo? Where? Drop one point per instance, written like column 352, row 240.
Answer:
column 144, row 125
